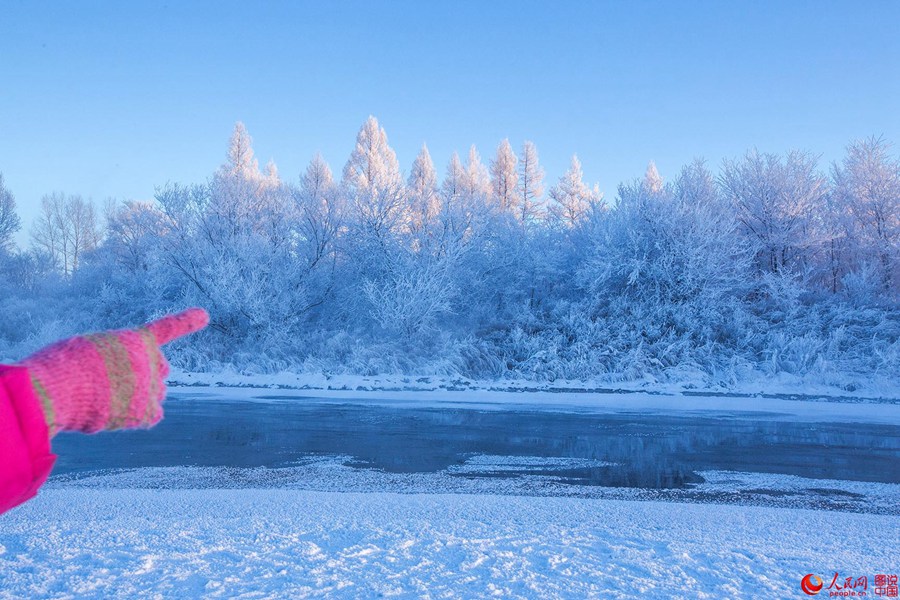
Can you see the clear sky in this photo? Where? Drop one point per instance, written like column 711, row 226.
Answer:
column 110, row 99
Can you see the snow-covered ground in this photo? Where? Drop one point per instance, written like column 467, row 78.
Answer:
column 294, row 544
column 857, row 389
column 438, row 392
column 322, row 528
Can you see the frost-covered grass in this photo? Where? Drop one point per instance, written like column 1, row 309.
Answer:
column 292, row 544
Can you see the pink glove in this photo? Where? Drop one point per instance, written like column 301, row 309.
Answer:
column 109, row 380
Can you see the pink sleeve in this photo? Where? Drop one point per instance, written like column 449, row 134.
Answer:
column 25, row 458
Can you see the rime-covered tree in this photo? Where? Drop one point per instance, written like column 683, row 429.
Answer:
column 696, row 185
column 453, row 185
column 242, row 197
column 707, row 276
column 411, row 295
column 319, row 213
column 9, row 220
column 66, row 230
column 239, row 195
column 460, row 210
column 132, row 232
column 271, row 178
column 422, row 188
column 477, row 182
column 652, row 179
column 867, row 188
column 777, row 200
column 505, row 178
column 665, row 268
column 240, row 160
column 232, row 246
column 411, row 287
column 317, row 181
column 570, row 198
column 531, row 184
column 373, row 184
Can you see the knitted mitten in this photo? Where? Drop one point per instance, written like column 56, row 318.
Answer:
column 109, row 380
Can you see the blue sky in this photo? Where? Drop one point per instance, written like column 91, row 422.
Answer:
column 112, row 99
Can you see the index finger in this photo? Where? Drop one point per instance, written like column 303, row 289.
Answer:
column 172, row 327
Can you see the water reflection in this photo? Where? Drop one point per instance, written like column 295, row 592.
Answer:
column 621, row 450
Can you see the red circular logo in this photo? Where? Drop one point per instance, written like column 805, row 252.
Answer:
column 811, row 584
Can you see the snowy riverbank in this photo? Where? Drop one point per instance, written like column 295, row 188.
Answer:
column 290, row 543
column 455, row 393
column 881, row 389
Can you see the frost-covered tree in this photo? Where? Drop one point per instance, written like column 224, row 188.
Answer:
column 254, row 277
column 412, row 286
column 9, row 219
column 132, row 232
column 317, row 181
column 414, row 292
column 240, row 194
column 236, row 244
column 241, row 186
column 665, row 268
column 319, row 215
column 66, row 230
column 465, row 243
column 271, row 179
column 373, row 184
column 531, row 184
column 477, row 182
column 571, row 199
column 422, row 187
column 867, row 190
column 837, row 253
column 505, row 178
column 388, row 272
column 777, row 200
column 464, row 204
column 698, row 274
column 241, row 161
column 697, row 185
column 652, row 179
column 453, row 185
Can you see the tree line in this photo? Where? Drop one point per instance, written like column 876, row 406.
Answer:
column 767, row 266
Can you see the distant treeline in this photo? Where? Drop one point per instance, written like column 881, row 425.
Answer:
column 767, row 266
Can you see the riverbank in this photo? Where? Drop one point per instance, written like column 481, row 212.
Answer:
column 439, row 392
column 302, row 544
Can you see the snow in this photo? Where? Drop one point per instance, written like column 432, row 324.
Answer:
column 255, row 543
column 502, row 476
column 449, row 393
column 782, row 385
